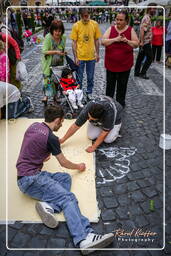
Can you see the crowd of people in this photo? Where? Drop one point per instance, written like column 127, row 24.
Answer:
column 103, row 113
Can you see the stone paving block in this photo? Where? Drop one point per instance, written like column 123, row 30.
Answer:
column 110, row 202
column 37, row 242
column 135, row 175
column 143, row 183
column 123, row 199
column 15, row 253
column 108, row 215
column 123, row 180
column 132, row 186
column 154, row 218
column 141, row 221
column 32, row 253
column 159, row 187
column 137, row 196
column 122, row 212
column 120, row 188
column 106, row 191
column 11, row 233
column 20, row 240
column 71, row 252
column 146, row 206
column 134, row 209
column 56, row 243
column 3, row 249
column 156, row 253
column 149, row 192
column 52, row 253
column 34, row 228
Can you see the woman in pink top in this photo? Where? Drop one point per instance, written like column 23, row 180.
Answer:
column 157, row 40
column 4, row 63
column 119, row 40
column 15, row 48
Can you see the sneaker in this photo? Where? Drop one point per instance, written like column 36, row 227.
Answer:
column 89, row 96
column 46, row 212
column 80, row 104
column 95, row 241
column 74, row 106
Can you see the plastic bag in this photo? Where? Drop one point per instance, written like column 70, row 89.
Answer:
column 21, row 71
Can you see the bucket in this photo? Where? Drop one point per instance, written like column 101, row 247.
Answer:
column 165, row 141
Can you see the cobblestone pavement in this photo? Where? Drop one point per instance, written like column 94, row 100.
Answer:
column 129, row 172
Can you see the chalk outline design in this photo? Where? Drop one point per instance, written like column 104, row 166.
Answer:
column 113, row 152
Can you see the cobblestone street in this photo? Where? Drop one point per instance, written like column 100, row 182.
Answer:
column 129, row 172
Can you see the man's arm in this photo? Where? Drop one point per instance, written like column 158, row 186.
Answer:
column 98, row 141
column 97, row 49
column 69, row 165
column 73, row 128
column 74, row 49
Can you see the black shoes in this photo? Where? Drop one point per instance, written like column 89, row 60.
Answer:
column 143, row 76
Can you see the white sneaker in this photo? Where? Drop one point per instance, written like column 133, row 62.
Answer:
column 45, row 212
column 74, row 106
column 80, row 104
column 95, row 241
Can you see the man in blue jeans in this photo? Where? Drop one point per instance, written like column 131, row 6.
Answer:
column 85, row 36
column 53, row 189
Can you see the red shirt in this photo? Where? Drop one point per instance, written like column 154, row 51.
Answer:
column 157, row 38
column 119, row 56
column 68, row 84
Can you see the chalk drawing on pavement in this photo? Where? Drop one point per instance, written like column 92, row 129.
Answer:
column 118, row 157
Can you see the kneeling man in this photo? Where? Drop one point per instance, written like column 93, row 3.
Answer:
column 104, row 115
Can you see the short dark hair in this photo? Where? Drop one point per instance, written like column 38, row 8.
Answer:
column 96, row 111
column 52, row 112
column 65, row 72
column 84, row 11
column 57, row 25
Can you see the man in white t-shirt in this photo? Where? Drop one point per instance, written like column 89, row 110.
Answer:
column 8, row 94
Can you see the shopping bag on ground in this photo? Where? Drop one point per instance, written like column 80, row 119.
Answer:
column 21, row 71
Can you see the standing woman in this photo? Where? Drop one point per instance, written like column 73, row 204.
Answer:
column 119, row 40
column 53, row 55
column 157, row 40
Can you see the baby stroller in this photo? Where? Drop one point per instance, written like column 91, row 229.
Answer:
column 56, row 76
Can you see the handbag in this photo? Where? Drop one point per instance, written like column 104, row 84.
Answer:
column 21, row 71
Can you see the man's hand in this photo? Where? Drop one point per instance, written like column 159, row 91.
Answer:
column 77, row 62
column 97, row 58
column 81, row 167
column 90, row 149
column 61, row 140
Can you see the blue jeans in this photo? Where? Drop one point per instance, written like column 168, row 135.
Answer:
column 90, row 66
column 54, row 189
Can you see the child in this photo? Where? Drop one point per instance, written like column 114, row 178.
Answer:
column 4, row 63
column 27, row 34
column 72, row 88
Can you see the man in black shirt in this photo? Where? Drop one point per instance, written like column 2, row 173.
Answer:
column 104, row 115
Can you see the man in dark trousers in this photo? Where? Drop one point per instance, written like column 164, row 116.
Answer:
column 53, row 189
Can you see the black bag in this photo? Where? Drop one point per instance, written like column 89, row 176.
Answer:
column 23, row 105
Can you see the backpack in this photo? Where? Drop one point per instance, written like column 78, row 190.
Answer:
column 16, row 109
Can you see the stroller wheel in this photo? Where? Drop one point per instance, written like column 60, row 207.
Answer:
column 68, row 115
